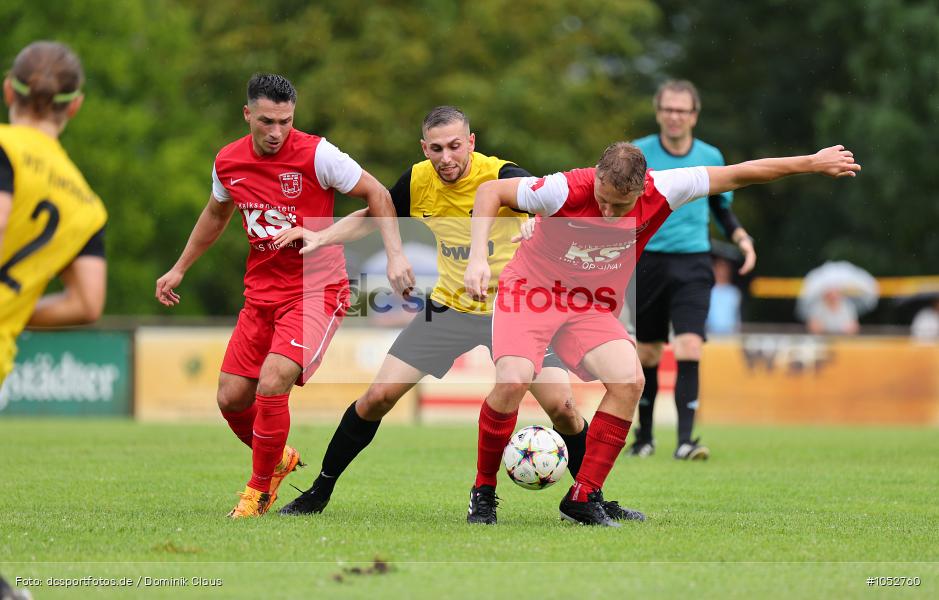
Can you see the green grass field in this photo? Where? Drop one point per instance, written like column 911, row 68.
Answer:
column 776, row 512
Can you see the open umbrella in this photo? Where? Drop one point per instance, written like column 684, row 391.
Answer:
column 857, row 285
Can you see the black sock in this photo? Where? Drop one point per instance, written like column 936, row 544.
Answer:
column 576, row 448
column 686, row 398
column 351, row 437
column 647, row 403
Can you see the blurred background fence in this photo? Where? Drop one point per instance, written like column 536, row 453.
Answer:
column 170, row 373
column 547, row 85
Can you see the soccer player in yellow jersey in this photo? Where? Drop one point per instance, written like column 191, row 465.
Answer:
column 440, row 192
column 51, row 222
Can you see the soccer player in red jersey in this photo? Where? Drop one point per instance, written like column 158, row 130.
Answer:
column 565, row 286
column 277, row 178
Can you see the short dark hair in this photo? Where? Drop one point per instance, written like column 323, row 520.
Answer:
column 275, row 88
column 678, row 86
column 624, row 167
column 443, row 115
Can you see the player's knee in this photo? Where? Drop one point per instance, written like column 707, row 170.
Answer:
column 277, row 377
column 650, row 354
column 564, row 415
column 688, row 346
column 625, row 393
column 511, row 390
column 377, row 402
column 228, row 402
column 275, row 384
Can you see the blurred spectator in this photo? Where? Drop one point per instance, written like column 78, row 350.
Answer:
column 724, row 312
column 833, row 315
column 834, row 295
column 925, row 327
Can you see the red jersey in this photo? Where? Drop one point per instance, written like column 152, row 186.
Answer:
column 294, row 187
column 577, row 249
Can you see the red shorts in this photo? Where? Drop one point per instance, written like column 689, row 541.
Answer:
column 299, row 329
column 523, row 326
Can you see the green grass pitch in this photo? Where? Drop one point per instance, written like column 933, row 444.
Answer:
column 777, row 512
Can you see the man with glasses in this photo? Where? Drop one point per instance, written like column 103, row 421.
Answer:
column 674, row 275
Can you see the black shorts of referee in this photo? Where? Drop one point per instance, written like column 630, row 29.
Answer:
column 672, row 289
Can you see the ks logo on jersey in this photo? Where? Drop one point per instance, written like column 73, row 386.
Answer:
column 267, row 223
column 291, row 184
column 596, row 254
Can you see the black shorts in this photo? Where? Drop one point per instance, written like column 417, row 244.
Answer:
column 672, row 288
column 432, row 345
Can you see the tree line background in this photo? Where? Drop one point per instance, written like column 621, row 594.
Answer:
column 547, row 85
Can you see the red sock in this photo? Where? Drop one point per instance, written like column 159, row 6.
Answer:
column 495, row 430
column 270, row 436
column 242, row 423
column 605, row 439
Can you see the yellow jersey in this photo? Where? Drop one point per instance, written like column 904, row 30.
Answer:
column 445, row 208
column 54, row 215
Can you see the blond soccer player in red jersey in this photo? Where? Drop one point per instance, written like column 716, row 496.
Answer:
column 278, row 177
column 579, row 261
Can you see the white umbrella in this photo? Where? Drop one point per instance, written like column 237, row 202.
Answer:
column 856, row 284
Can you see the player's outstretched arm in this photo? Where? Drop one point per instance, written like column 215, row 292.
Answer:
column 834, row 162
column 354, row 226
column 490, row 197
column 212, row 222
column 82, row 299
column 379, row 202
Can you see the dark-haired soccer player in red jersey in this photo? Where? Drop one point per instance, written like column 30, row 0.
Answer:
column 565, row 286
column 278, row 177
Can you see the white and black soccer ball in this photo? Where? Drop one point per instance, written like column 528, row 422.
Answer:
column 535, row 457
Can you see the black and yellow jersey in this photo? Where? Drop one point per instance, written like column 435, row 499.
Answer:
column 445, row 208
column 55, row 217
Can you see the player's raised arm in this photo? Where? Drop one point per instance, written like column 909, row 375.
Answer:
column 212, row 222
column 490, row 197
column 350, row 228
column 354, row 226
column 834, row 161
column 379, row 202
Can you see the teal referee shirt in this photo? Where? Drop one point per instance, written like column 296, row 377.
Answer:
column 686, row 230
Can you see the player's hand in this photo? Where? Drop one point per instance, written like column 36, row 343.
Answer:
column 835, row 162
column 311, row 239
column 400, row 274
column 749, row 254
column 476, row 278
column 526, row 231
column 165, row 285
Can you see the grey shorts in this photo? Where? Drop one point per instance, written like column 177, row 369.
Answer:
column 436, row 338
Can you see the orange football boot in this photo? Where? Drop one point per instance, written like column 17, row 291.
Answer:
column 253, row 503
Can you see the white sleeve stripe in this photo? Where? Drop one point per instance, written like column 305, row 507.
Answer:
column 334, row 168
column 218, row 190
column 680, row 186
column 542, row 195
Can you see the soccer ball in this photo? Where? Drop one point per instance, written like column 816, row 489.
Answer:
column 535, row 457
